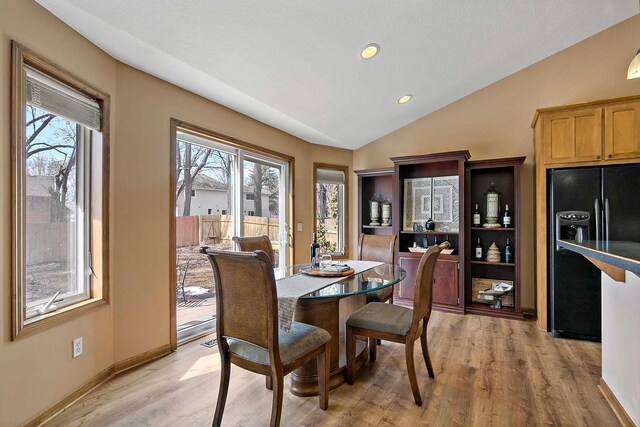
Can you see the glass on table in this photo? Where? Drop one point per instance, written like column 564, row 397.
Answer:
column 325, row 260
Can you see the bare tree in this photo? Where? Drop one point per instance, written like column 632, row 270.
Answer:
column 256, row 179
column 193, row 161
column 222, row 167
column 55, row 158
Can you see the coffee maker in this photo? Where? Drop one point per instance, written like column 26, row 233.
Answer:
column 572, row 225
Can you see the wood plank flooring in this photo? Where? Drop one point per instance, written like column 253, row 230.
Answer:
column 489, row 372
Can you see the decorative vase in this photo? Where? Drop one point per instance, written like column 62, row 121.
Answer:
column 492, row 207
column 374, row 211
column 430, row 225
column 386, row 212
column 493, row 253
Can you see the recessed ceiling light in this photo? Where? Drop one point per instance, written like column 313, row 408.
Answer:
column 370, row 51
column 404, row 99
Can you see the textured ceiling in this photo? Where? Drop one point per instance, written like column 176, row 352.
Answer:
column 295, row 64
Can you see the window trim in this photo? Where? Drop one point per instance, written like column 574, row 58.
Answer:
column 345, row 209
column 99, row 238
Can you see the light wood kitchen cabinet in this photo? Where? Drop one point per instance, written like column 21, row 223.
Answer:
column 622, row 131
column 573, row 136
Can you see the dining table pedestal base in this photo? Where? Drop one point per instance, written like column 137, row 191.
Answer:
column 329, row 314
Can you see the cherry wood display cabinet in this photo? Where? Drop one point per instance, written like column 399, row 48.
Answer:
column 452, row 288
column 504, row 174
column 448, row 287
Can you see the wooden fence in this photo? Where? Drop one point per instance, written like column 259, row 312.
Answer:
column 218, row 229
column 47, row 242
column 187, row 231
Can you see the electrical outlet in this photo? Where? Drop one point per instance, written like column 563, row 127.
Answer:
column 77, row 347
column 299, row 226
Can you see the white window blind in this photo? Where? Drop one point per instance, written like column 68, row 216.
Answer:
column 50, row 95
column 330, row 176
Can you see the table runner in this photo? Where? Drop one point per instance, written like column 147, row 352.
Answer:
column 293, row 287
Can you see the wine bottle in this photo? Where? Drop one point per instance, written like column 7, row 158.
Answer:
column 314, row 252
column 479, row 251
column 506, row 218
column 508, row 252
column 476, row 216
column 435, row 240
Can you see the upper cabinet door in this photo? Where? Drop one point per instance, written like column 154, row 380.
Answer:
column 622, row 131
column 573, row 136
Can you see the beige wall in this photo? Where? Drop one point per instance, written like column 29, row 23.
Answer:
column 145, row 105
column 38, row 371
column 495, row 121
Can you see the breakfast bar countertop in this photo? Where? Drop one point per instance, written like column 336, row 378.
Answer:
column 625, row 255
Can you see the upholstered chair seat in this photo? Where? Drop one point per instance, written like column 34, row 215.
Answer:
column 297, row 342
column 393, row 319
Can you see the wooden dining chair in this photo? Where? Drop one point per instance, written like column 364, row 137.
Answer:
column 382, row 249
column 398, row 324
column 248, row 333
column 256, row 243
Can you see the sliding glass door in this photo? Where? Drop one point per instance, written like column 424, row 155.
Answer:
column 221, row 191
column 263, row 212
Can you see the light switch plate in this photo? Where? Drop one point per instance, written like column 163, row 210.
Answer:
column 77, row 347
column 299, row 226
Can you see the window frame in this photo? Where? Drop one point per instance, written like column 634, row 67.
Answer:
column 244, row 151
column 83, row 199
column 97, row 224
column 345, row 205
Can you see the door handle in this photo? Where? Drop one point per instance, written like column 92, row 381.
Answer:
column 596, row 207
column 606, row 218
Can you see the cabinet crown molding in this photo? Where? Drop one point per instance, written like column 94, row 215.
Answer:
column 589, row 104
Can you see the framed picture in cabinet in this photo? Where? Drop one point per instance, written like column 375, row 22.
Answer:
column 417, row 202
column 436, row 198
column 445, row 203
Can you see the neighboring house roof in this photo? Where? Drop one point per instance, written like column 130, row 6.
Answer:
column 204, row 182
column 39, row 185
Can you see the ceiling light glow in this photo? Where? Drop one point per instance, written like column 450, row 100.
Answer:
column 404, row 99
column 370, row 51
column 634, row 68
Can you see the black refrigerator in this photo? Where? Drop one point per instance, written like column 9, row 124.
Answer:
column 607, row 199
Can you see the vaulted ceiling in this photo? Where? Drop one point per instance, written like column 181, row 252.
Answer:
column 296, row 64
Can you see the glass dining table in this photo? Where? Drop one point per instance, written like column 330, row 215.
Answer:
column 329, row 308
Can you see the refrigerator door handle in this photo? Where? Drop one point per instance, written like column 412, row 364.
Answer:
column 606, row 219
column 596, row 207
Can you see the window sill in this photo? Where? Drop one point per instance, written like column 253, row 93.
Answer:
column 45, row 321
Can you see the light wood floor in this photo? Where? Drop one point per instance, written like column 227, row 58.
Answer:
column 488, row 372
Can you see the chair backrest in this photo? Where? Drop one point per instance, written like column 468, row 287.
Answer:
column 246, row 298
column 377, row 248
column 424, row 284
column 256, row 243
